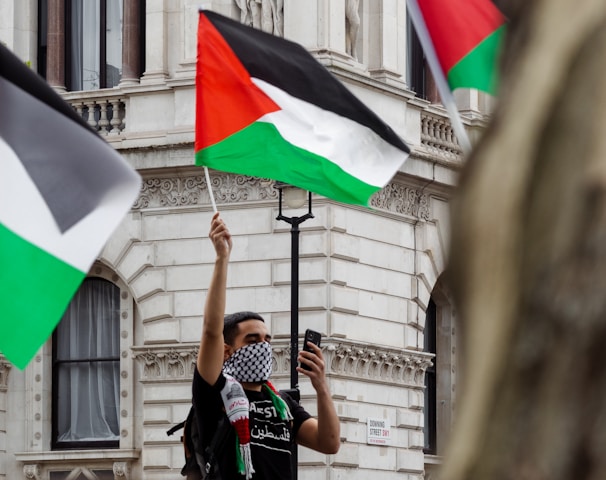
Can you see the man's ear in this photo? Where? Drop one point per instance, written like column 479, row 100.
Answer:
column 226, row 351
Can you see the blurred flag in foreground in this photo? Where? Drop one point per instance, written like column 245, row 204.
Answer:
column 63, row 190
column 265, row 107
column 465, row 36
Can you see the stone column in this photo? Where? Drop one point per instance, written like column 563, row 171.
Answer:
column 387, row 42
column 131, row 46
column 156, row 35
column 55, row 54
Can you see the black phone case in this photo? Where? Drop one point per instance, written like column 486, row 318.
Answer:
column 313, row 337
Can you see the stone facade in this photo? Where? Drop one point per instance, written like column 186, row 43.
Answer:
column 366, row 275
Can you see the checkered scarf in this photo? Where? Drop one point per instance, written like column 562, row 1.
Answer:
column 250, row 365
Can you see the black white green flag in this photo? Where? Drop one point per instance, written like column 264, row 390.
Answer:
column 63, row 190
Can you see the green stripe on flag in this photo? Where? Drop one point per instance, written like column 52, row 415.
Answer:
column 260, row 151
column 36, row 289
column 479, row 68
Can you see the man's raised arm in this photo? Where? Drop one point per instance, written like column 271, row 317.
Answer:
column 211, row 353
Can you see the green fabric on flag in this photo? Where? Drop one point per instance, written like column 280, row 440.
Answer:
column 259, row 150
column 36, row 287
column 471, row 71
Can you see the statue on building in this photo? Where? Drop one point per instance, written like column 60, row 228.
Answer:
column 352, row 25
column 266, row 15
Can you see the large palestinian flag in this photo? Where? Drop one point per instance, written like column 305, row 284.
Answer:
column 465, row 35
column 265, row 107
column 63, row 190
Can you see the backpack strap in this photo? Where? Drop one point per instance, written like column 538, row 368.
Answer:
column 178, row 426
column 211, row 465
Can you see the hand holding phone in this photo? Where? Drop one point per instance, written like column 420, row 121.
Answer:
column 313, row 337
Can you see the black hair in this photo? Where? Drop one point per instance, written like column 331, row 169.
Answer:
column 231, row 321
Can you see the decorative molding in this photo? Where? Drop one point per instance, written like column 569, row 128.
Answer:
column 5, row 368
column 31, row 471
column 190, row 190
column 166, row 363
column 121, row 470
column 344, row 359
column 399, row 198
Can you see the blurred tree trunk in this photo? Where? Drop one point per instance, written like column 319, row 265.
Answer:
column 528, row 258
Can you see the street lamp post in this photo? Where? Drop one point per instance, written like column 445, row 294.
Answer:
column 294, row 198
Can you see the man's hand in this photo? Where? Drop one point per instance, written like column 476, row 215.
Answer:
column 315, row 362
column 321, row 434
column 220, row 236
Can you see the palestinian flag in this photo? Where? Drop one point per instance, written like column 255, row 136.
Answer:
column 63, row 190
column 265, row 107
column 466, row 36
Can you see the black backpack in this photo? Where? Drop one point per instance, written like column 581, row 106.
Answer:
column 200, row 464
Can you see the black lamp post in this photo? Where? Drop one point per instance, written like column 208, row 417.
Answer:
column 294, row 198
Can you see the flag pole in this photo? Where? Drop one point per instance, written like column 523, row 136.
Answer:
column 210, row 189
column 443, row 88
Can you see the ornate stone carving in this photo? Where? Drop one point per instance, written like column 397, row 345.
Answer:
column 266, row 15
column 167, row 363
column 121, row 470
column 178, row 191
column 392, row 366
column 31, row 471
column 346, row 359
column 401, row 199
column 171, row 192
column 5, row 368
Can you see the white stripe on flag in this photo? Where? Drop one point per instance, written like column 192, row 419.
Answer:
column 355, row 148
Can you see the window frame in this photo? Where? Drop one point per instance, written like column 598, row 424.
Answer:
column 80, row 445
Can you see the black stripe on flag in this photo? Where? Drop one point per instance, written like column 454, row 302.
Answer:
column 288, row 66
column 72, row 167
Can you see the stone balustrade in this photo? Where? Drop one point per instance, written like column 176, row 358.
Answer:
column 105, row 114
column 437, row 136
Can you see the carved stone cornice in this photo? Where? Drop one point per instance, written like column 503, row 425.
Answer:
column 401, row 199
column 161, row 363
column 350, row 360
column 5, row 368
column 188, row 189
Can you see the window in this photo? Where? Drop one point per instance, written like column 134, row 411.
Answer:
column 415, row 65
column 86, row 366
column 418, row 75
column 92, row 44
column 430, row 380
column 439, row 340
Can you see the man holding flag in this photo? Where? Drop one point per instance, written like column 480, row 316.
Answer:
column 232, row 377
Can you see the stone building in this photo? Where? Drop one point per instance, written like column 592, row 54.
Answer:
column 370, row 279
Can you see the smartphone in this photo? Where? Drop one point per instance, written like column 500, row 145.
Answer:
column 313, row 337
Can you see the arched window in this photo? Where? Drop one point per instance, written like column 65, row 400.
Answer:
column 86, row 369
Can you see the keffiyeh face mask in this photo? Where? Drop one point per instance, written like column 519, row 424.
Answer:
column 250, row 363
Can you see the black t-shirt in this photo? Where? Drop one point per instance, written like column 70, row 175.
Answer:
column 271, row 438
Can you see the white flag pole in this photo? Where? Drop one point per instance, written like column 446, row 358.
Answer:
column 210, row 190
column 443, row 88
